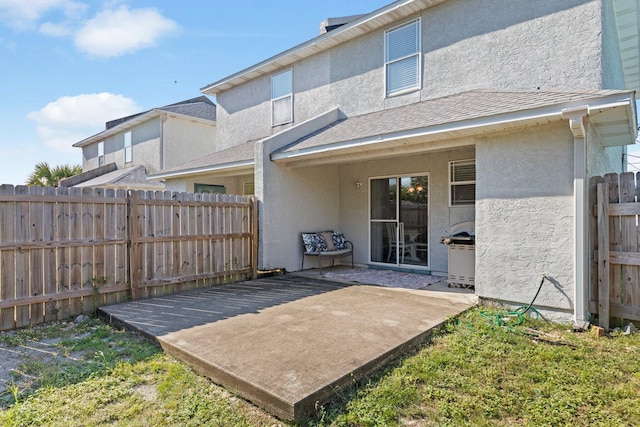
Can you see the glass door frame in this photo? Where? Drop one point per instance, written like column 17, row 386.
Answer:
column 398, row 264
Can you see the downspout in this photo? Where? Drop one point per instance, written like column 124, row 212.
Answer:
column 577, row 123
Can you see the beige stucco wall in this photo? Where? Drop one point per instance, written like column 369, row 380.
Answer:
column 145, row 146
column 186, row 139
column 292, row 201
column 485, row 44
column 145, row 149
column 515, row 45
column 183, row 140
column 524, row 216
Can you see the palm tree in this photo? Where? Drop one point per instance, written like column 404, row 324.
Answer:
column 44, row 175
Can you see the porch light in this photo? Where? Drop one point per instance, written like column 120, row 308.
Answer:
column 358, row 185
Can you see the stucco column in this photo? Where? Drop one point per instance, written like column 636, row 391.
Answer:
column 577, row 123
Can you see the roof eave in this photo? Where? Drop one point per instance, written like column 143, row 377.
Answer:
column 369, row 22
column 188, row 117
column 119, row 128
column 470, row 127
column 225, row 167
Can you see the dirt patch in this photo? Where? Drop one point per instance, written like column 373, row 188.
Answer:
column 34, row 357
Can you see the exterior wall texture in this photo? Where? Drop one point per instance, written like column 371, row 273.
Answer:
column 145, row 143
column 185, row 140
column 499, row 45
column 515, row 45
column 156, row 144
column 297, row 200
column 524, row 216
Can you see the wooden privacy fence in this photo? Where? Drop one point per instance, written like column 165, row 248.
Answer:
column 615, row 238
column 66, row 251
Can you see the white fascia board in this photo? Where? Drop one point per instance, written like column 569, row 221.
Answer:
column 550, row 113
column 187, row 117
column 366, row 23
column 119, row 128
column 225, row 167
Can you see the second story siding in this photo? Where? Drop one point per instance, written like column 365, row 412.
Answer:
column 465, row 45
column 144, row 147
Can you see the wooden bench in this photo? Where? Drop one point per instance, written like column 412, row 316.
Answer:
column 326, row 244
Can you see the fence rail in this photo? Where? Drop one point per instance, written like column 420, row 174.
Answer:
column 615, row 239
column 66, row 251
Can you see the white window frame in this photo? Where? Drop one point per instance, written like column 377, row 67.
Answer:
column 128, row 149
column 417, row 54
column 453, row 183
column 100, row 153
column 281, row 97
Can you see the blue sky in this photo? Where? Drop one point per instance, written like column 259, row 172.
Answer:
column 68, row 66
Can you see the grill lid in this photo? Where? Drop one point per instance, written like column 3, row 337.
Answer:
column 461, row 233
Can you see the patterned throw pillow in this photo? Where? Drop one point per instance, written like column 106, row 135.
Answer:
column 327, row 236
column 339, row 241
column 313, row 243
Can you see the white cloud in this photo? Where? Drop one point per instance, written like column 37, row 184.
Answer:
column 70, row 119
column 116, row 32
column 8, row 44
column 56, row 30
column 24, row 14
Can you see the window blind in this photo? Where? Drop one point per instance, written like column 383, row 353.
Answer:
column 402, row 58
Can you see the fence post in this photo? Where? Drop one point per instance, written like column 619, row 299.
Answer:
column 603, row 255
column 254, row 239
column 134, row 246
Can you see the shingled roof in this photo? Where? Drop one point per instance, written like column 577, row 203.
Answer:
column 201, row 108
column 239, row 156
column 468, row 109
column 134, row 178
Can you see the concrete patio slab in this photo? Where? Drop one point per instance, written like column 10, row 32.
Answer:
column 290, row 343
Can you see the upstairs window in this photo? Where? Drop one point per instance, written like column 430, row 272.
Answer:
column 462, row 183
column 402, row 58
column 281, row 98
column 128, row 151
column 100, row 153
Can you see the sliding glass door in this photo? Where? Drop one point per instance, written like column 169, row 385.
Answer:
column 399, row 220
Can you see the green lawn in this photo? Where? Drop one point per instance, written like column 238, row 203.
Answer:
column 472, row 373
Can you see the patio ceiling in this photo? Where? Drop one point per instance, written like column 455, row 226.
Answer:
column 450, row 122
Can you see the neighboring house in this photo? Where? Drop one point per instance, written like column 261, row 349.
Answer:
column 132, row 147
column 427, row 113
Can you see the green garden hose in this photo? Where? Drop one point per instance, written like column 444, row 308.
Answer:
column 502, row 319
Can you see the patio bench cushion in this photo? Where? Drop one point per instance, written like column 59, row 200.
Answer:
column 326, row 244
